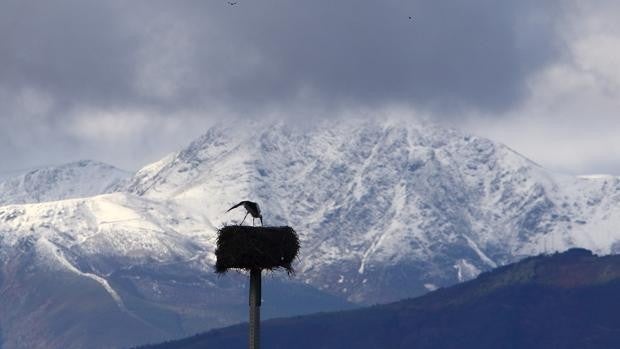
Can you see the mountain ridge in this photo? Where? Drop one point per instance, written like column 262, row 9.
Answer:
column 482, row 194
column 52, row 183
column 384, row 211
column 527, row 304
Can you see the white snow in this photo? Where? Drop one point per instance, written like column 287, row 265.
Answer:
column 366, row 198
column 465, row 270
column 53, row 254
column 78, row 179
column 431, row 287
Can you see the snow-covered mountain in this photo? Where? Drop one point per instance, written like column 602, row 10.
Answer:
column 140, row 269
column 77, row 179
column 385, row 210
column 389, row 210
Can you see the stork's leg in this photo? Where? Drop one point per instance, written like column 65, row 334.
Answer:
column 243, row 219
column 252, row 220
column 261, row 221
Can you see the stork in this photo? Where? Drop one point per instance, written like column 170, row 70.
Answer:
column 251, row 208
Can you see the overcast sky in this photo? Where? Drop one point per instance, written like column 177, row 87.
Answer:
column 126, row 82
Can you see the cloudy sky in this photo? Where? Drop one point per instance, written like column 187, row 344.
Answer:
column 126, row 82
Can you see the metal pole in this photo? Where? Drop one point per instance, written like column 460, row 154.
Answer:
column 255, row 301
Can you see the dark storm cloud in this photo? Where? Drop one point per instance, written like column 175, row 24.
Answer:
column 474, row 53
column 128, row 81
column 257, row 54
column 77, row 51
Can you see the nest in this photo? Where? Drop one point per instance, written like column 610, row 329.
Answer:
column 244, row 247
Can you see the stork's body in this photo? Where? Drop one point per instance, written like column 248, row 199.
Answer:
column 252, row 208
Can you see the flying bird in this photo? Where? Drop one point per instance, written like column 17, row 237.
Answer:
column 232, row 3
column 251, row 208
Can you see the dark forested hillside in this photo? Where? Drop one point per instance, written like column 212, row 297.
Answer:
column 567, row 300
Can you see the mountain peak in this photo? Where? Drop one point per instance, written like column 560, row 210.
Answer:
column 81, row 178
column 374, row 199
column 384, row 211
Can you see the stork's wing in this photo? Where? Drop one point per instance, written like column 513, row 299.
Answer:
column 237, row 205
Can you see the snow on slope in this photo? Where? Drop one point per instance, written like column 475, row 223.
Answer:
column 121, row 227
column 383, row 209
column 77, row 179
column 140, row 268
